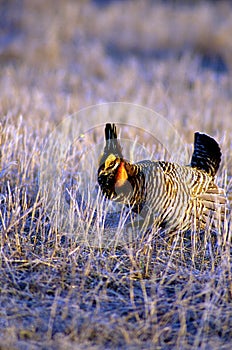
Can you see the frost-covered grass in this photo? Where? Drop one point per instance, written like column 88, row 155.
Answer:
column 88, row 285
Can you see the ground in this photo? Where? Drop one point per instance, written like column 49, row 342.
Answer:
column 87, row 285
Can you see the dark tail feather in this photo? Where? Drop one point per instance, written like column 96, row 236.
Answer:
column 206, row 155
column 112, row 143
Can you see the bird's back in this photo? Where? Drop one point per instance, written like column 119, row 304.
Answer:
column 181, row 197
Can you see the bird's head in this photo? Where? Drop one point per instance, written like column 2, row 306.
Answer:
column 112, row 173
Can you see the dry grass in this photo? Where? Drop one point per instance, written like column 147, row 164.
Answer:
column 89, row 286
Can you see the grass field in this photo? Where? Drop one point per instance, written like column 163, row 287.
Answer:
column 84, row 282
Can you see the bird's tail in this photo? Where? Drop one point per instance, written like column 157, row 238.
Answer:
column 206, row 155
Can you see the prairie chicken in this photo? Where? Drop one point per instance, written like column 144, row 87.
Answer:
column 167, row 195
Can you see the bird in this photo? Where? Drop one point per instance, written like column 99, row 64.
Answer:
column 166, row 195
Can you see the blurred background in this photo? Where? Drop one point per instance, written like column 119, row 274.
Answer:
column 172, row 56
column 56, row 57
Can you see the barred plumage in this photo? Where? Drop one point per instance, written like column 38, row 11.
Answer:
column 170, row 196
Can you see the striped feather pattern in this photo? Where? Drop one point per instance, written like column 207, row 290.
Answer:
column 174, row 197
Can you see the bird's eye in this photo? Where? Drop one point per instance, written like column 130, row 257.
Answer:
column 111, row 164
